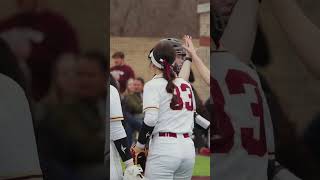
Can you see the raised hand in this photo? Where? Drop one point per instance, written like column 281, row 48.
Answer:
column 188, row 45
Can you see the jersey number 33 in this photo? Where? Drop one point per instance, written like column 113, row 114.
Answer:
column 224, row 130
column 180, row 102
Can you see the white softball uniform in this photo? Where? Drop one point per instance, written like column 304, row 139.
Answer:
column 18, row 155
column 116, row 132
column 243, row 133
column 171, row 150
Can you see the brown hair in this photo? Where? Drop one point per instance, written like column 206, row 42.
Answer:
column 118, row 54
column 164, row 50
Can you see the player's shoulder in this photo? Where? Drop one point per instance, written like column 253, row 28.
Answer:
column 224, row 61
column 155, row 82
column 113, row 91
column 225, row 58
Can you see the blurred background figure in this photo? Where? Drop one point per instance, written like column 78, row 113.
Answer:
column 19, row 156
column 72, row 128
column 62, row 86
column 91, row 76
column 139, row 85
column 120, row 70
column 132, row 105
column 129, row 88
column 39, row 36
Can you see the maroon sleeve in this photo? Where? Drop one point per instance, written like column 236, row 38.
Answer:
column 8, row 23
column 131, row 72
column 64, row 33
column 70, row 37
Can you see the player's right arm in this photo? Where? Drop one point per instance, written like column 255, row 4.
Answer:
column 119, row 137
column 302, row 33
column 201, row 67
column 117, row 132
column 239, row 35
column 185, row 70
column 151, row 102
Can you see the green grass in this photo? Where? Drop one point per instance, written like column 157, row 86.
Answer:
column 201, row 167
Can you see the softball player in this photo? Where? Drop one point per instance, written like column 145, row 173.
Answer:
column 18, row 155
column 169, row 106
column 119, row 143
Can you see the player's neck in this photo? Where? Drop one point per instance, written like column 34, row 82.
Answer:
column 157, row 75
column 157, row 71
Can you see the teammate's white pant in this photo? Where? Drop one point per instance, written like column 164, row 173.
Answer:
column 285, row 174
column 170, row 158
column 116, row 172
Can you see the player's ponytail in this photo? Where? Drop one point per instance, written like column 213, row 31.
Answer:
column 165, row 51
column 170, row 76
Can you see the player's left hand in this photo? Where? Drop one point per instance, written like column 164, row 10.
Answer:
column 133, row 172
column 136, row 150
column 139, row 156
column 188, row 45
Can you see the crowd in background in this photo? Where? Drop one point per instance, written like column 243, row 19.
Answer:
column 65, row 86
column 131, row 92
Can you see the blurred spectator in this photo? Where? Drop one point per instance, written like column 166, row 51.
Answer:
column 90, row 110
column 38, row 37
column 138, row 85
column 92, row 68
column 133, row 100
column 72, row 133
column 129, row 88
column 121, row 71
column 62, row 87
column 132, row 104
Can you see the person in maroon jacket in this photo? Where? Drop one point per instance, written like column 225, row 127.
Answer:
column 121, row 71
column 38, row 37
